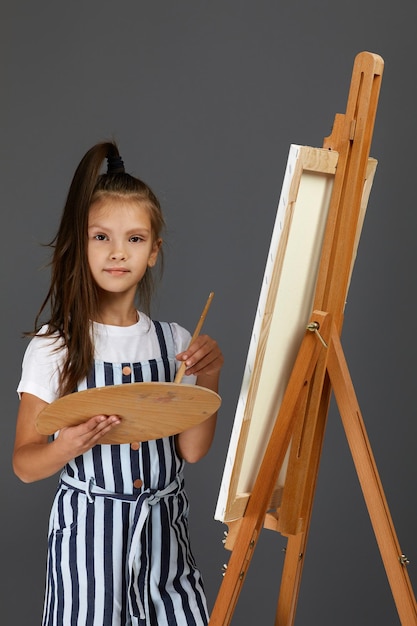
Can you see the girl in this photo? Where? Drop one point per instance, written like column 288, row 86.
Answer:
column 118, row 546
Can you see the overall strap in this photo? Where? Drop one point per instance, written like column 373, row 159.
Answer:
column 165, row 338
column 167, row 346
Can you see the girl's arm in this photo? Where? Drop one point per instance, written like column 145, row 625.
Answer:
column 205, row 360
column 34, row 457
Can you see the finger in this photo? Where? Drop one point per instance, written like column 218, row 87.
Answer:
column 201, row 346
column 97, row 424
column 103, row 426
column 108, row 422
column 209, row 363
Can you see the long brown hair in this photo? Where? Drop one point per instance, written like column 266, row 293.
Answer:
column 72, row 296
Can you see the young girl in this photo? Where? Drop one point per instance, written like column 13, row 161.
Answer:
column 118, row 546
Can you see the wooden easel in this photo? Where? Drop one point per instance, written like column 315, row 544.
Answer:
column 320, row 367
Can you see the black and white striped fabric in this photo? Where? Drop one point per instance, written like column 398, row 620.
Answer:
column 118, row 550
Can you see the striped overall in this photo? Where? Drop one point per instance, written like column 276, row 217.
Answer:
column 118, row 547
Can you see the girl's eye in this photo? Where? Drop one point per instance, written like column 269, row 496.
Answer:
column 135, row 239
column 100, row 237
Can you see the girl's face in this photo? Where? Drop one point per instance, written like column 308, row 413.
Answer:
column 120, row 244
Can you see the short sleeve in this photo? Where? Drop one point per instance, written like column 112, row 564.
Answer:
column 40, row 368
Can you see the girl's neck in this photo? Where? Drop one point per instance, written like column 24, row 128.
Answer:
column 118, row 317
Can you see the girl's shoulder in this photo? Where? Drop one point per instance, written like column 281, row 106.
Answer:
column 41, row 365
column 43, row 345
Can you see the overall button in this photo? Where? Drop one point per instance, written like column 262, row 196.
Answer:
column 137, row 483
column 135, row 445
column 126, row 370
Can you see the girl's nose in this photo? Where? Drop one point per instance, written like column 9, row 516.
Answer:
column 118, row 254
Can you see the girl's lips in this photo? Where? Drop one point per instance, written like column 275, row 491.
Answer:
column 116, row 271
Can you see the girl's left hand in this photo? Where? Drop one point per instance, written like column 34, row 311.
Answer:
column 203, row 356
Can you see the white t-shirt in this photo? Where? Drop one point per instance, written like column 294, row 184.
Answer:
column 113, row 344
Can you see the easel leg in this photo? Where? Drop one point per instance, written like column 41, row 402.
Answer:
column 297, row 542
column 370, row 483
column 291, row 579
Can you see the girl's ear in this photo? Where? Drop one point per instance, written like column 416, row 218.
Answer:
column 154, row 253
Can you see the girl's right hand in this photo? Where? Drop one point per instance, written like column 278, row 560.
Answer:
column 35, row 457
column 81, row 438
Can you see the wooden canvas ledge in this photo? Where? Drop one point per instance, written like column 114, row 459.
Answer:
column 295, row 361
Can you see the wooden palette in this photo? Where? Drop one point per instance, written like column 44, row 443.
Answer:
column 148, row 410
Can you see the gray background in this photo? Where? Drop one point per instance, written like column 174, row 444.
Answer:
column 205, row 99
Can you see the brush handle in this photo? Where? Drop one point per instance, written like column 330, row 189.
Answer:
column 183, row 367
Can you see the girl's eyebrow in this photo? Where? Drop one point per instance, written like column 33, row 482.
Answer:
column 131, row 231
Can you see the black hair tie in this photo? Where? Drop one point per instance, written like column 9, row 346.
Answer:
column 115, row 165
